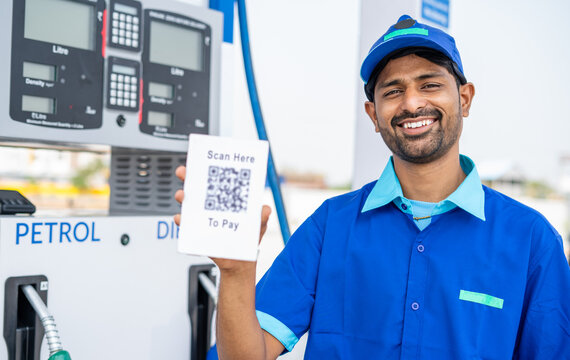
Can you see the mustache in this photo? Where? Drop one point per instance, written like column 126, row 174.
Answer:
column 410, row 115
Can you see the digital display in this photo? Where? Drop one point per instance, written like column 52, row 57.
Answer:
column 160, row 90
column 125, row 70
column 126, row 9
column 156, row 118
column 63, row 22
column 177, row 46
column 39, row 71
column 38, row 104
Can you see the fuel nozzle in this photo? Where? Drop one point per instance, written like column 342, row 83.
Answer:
column 52, row 336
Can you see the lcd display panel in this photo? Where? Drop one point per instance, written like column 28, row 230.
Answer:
column 126, row 9
column 177, row 46
column 63, row 22
column 38, row 104
column 156, row 118
column 39, row 71
column 160, row 90
column 125, row 70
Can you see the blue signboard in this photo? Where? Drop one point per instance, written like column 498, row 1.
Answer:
column 436, row 11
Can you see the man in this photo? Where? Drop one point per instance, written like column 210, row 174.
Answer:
column 424, row 263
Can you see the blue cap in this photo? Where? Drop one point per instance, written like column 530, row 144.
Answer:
column 405, row 33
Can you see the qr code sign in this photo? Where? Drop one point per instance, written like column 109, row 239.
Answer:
column 228, row 189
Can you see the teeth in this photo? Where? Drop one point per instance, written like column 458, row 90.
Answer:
column 417, row 124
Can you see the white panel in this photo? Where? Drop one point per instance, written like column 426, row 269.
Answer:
column 109, row 301
column 370, row 153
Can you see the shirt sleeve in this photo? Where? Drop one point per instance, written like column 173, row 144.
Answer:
column 286, row 293
column 544, row 331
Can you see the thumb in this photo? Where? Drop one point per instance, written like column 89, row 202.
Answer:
column 265, row 212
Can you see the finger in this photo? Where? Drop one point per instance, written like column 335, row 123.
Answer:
column 181, row 172
column 177, row 219
column 265, row 212
column 179, row 195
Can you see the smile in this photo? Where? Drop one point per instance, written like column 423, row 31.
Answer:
column 417, row 124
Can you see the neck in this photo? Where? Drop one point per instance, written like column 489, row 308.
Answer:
column 431, row 182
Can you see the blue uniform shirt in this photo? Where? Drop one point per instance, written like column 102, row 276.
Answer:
column 487, row 279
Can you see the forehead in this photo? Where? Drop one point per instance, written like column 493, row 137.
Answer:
column 410, row 66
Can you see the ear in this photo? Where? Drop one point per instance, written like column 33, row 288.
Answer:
column 466, row 94
column 371, row 111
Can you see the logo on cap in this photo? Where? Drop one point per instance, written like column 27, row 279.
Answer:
column 404, row 24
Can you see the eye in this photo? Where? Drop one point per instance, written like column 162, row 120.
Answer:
column 392, row 92
column 431, row 86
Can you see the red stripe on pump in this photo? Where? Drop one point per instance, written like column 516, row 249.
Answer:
column 141, row 101
column 104, row 32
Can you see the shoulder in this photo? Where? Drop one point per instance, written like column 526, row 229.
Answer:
column 521, row 220
column 348, row 203
column 504, row 208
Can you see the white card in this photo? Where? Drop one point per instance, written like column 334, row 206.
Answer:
column 223, row 191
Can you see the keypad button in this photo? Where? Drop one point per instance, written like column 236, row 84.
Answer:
column 115, row 15
column 122, row 41
column 135, row 20
column 113, row 77
column 115, row 39
column 121, row 25
column 113, row 85
column 120, row 102
column 128, row 42
column 113, row 101
column 119, row 94
column 135, row 36
column 128, row 34
column 115, row 23
column 120, row 77
column 135, row 28
column 128, row 26
column 120, row 86
column 122, row 17
column 121, row 32
column 129, row 18
column 133, row 96
column 115, row 31
column 135, row 43
column 113, row 93
column 127, row 87
column 133, row 103
column 133, row 80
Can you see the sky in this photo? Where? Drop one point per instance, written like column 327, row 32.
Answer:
column 306, row 61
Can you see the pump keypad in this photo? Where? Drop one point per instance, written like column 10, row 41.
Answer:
column 125, row 25
column 123, row 90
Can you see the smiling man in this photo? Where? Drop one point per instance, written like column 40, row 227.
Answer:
column 425, row 262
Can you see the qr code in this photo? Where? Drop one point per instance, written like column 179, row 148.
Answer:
column 228, row 189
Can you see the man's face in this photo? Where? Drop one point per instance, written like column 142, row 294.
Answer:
column 418, row 109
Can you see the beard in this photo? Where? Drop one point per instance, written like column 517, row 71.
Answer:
column 428, row 146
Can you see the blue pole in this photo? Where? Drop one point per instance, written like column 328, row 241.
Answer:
column 272, row 176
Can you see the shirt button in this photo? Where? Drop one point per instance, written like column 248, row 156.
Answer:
column 415, row 306
column 420, row 248
column 404, row 206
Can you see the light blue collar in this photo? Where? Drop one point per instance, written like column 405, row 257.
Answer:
column 469, row 196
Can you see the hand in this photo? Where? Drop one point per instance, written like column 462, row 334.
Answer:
column 223, row 264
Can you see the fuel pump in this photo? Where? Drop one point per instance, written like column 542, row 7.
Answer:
column 137, row 77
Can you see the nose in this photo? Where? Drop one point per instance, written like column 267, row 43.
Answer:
column 413, row 100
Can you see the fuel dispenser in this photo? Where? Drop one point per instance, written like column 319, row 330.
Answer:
column 137, row 76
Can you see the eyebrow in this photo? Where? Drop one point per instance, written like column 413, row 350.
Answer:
column 420, row 77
